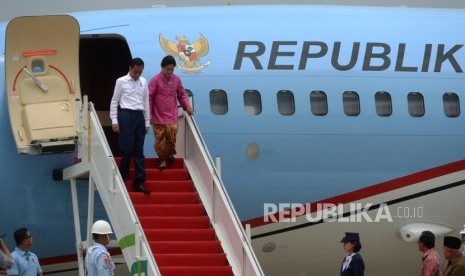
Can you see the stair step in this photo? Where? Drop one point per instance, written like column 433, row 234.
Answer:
column 167, row 174
column 175, row 222
column 165, row 198
column 165, row 186
column 180, row 234
column 196, row 271
column 170, row 210
column 218, row 259
column 152, row 163
column 186, row 247
column 186, row 186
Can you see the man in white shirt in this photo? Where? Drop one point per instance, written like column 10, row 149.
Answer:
column 131, row 121
column 25, row 263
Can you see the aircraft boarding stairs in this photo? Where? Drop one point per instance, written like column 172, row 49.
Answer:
column 186, row 226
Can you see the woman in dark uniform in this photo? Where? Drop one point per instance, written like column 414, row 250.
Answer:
column 353, row 264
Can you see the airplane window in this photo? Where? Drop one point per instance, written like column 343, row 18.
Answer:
column 416, row 104
column 218, row 102
column 286, row 104
column 383, row 103
column 318, row 103
column 190, row 97
column 351, row 103
column 451, row 104
column 252, row 102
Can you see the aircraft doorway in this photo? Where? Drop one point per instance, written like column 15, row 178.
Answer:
column 102, row 60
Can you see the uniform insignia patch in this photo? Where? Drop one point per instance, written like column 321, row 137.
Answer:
column 106, row 261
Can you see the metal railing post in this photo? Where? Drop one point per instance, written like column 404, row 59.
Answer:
column 248, row 232
column 112, row 173
column 218, row 165
column 186, row 138
column 137, row 240
column 90, row 210
column 77, row 226
column 78, row 112
column 214, row 203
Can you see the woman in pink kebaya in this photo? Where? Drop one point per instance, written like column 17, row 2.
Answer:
column 165, row 90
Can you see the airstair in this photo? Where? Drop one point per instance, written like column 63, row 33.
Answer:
column 187, row 226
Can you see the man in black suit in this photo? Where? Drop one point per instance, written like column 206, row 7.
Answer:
column 353, row 264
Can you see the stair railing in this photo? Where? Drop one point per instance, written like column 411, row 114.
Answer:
column 218, row 205
column 97, row 161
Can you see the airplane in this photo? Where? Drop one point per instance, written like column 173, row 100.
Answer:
column 326, row 119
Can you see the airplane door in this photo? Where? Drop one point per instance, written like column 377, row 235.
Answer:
column 42, row 77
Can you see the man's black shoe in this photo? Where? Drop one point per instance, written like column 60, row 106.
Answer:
column 141, row 189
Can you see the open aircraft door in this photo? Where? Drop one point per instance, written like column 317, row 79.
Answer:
column 42, row 76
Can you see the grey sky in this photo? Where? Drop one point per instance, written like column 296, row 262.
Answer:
column 12, row 8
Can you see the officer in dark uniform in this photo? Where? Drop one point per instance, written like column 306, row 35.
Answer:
column 353, row 264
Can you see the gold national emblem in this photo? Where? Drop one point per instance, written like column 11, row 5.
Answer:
column 187, row 54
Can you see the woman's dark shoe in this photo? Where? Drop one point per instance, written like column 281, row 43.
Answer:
column 170, row 159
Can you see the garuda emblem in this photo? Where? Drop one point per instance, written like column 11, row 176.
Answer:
column 188, row 54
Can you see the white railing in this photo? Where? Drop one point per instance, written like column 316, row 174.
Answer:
column 207, row 180
column 97, row 160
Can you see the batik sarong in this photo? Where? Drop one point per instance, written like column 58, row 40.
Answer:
column 165, row 141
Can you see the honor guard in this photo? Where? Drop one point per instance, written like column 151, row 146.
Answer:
column 98, row 260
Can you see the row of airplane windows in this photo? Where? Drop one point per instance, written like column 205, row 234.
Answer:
column 319, row 103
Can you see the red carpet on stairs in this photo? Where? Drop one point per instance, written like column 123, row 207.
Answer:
column 175, row 223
